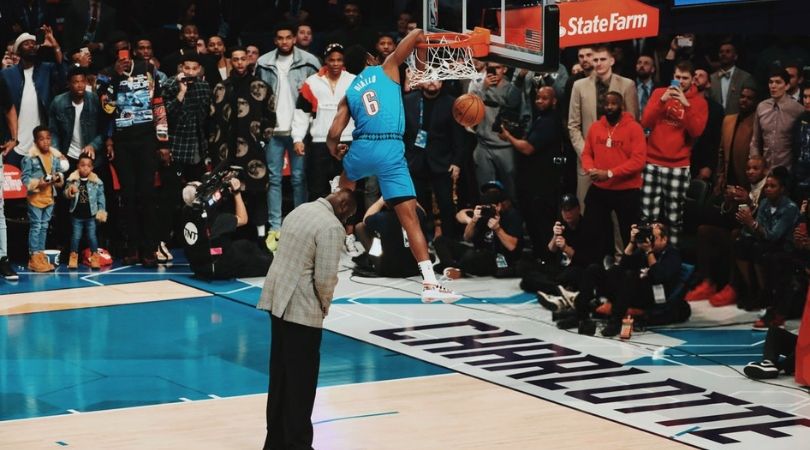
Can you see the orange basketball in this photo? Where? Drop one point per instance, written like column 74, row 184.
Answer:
column 468, row 110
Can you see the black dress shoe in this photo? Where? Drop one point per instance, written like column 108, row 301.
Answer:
column 568, row 323
column 611, row 329
column 587, row 327
column 6, row 271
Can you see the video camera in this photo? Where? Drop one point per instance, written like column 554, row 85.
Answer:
column 514, row 124
column 216, row 185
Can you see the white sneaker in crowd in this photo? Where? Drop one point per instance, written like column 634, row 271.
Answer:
column 163, row 255
column 351, row 246
column 334, row 184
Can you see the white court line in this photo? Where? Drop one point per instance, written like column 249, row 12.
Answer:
column 73, row 411
column 244, row 288
column 183, row 399
column 86, row 277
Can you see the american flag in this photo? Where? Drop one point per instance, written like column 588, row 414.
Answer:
column 533, row 40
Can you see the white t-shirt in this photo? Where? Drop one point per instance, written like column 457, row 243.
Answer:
column 76, row 143
column 284, row 105
column 28, row 118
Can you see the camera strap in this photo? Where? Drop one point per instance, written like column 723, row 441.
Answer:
column 44, row 169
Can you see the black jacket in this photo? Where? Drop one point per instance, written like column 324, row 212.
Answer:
column 445, row 136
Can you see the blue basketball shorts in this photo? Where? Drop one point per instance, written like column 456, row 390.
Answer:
column 384, row 159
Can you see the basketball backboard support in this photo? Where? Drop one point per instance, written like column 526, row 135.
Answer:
column 523, row 33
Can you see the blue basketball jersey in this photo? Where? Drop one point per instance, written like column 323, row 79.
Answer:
column 375, row 102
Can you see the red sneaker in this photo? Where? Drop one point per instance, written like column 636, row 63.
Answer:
column 769, row 320
column 726, row 296
column 605, row 309
column 703, row 291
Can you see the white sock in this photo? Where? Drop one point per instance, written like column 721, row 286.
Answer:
column 428, row 276
column 260, row 230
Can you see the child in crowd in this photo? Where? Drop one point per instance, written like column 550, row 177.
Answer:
column 42, row 174
column 86, row 192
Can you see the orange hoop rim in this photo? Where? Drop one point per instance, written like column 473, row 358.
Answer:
column 477, row 41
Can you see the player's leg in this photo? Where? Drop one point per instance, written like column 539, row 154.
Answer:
column 345, row 183
column 397, row 189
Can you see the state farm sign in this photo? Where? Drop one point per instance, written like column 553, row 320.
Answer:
column 592, row 21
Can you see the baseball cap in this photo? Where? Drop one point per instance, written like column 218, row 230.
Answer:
column 22, row 38
column 492, row 197
column 568, row 201
column 492, row 184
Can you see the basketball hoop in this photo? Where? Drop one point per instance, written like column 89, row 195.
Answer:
column 447, row 56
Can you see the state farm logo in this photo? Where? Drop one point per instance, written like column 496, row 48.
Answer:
column 596, row 24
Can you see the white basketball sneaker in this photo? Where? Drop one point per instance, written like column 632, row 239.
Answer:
column 350, row 245
column 334, row 184
column 436, row 292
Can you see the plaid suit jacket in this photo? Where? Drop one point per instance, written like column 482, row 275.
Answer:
column 300, row 283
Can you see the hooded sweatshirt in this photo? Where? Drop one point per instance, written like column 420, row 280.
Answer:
column 624, row 157
column 674, row 127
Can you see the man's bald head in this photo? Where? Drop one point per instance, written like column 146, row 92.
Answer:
column 343, row 204
column 546, row 99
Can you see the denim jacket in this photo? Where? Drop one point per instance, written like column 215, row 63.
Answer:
column 61, row 115
column 777, row 226
column 303, row 65
column 33, row 172
column 47, row 76
column 95, row 194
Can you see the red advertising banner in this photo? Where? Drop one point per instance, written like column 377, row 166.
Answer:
column 13, row 186
column 593, row 21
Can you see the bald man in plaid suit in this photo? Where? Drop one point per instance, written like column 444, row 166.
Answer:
column 297, row 293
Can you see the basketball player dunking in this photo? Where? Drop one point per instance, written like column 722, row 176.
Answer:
column 374, row 101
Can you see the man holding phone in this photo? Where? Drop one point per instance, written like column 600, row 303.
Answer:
column 133, row 149
column 494, row 157
column 31, row 85
column 676, row 116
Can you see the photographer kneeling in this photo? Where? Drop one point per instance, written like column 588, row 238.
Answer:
column 648, row 278
column 494, row 229
column 213, row 211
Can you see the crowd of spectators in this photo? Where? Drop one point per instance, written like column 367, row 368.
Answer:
column 592, row 181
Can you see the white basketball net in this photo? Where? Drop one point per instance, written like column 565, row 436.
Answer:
column 442, row 63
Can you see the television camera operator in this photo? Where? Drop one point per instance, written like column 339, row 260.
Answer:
column 212, row 214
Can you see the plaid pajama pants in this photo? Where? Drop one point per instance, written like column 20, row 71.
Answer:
column 663, row 195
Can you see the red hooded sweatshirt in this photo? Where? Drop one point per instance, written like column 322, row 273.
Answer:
column 624, row 157
column 674, row 127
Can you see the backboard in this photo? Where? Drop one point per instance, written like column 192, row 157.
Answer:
column 523, row 33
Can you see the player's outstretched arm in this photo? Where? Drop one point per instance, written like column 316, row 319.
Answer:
column 401, row 53
column 339, row 123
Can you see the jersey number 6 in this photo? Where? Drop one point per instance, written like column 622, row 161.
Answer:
column 371, row 103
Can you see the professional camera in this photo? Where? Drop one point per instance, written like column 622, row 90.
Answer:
column 514, row 124
column 216, row 185
column 488, row 212
column 645, row 233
